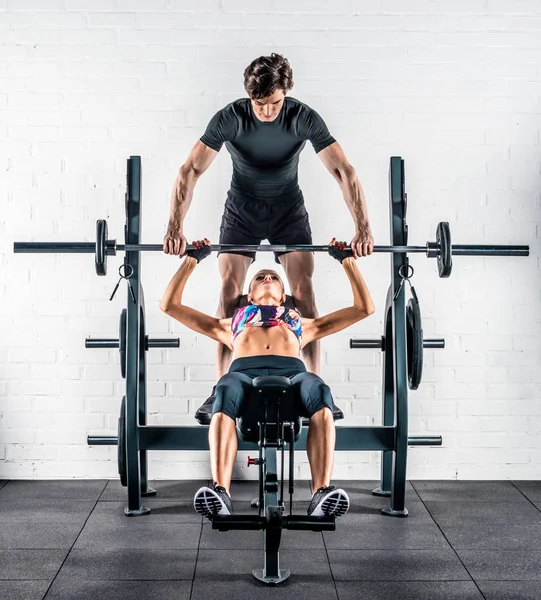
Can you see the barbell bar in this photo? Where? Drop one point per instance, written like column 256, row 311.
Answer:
column 442, row 249
column 112, row 248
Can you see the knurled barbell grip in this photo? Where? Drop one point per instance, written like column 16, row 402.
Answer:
column 266, row 248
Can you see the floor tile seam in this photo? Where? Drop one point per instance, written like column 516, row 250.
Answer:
column 104, row 488
column 27, row 579
column 532, row 502
column 448, row 580
column 113, row 548
column 330, row 566
column 414, row 489
column 380, row 580
column 471, row 500
column 69, row 551
column 196, row 561
column 537, row 550
column 452, row 548
column 101, row 579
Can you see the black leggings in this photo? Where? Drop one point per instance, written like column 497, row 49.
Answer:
column 312, row 392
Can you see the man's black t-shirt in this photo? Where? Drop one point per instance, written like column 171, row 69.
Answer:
column 265, row 155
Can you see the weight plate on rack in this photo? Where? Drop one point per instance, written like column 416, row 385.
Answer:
column 122, row 342
column 414, row 333
column 445, row 254
column 122, row 464
column 101, row 247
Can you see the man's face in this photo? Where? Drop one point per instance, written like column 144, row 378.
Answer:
column 267, row 109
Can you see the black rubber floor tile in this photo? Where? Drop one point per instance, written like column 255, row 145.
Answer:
column 216, row 565
column 531, row 489
column 495, row 536
column 510, row 590
column 128, row 564
column 362, row 500
column 71, row 489
column 248, row 588
column 247, row 490
column 69, row 589
column 140, row 533
column 452, row 513
column 179, row 491
column 396, row 565
column 30, row 564
column 502, row 565
column 24, row 590
column 365, row 487
column 387, row 534
column 212, row 539
column 38, row 535
column 3, row 483
column 467, row 491
column 45, row 511
column 160, row 511
column 408, row 590
column 361, row 509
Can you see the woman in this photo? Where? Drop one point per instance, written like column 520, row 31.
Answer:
column 266, row 338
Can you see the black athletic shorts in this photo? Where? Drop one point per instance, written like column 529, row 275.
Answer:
column 312, row 392
column 249, row 222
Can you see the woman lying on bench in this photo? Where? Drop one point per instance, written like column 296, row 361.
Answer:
column 266, row 339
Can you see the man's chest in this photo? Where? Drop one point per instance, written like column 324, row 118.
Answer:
column 266, row 146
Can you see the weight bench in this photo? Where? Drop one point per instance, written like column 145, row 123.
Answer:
column 271, row 419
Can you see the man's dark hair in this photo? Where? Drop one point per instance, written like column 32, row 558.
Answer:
column 266, row 74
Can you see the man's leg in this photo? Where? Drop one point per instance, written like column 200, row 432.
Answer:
column 299, row 268
column 233, row 269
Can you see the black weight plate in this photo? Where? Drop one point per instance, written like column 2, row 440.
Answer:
column 101, row 247
column 122, row 466
column 122, row 342
column 445, row 255
column 414, row 332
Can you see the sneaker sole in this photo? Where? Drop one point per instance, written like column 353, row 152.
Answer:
column 207, row 504
column 335, row 504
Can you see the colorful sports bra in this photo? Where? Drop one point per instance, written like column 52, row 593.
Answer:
column 254, row 315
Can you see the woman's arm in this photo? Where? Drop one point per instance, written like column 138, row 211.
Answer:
column 363, row 307
column 171, row 304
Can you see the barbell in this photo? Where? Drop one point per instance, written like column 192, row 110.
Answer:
column 441, row 249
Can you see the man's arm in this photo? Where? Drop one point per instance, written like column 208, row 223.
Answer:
column 197, row 163
column 335, row 160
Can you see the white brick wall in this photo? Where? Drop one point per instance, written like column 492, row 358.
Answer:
column 453, row 87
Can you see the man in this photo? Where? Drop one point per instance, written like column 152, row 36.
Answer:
column 265, row 134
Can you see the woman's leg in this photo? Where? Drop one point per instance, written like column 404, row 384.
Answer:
column 230, row 393
column 315, row 397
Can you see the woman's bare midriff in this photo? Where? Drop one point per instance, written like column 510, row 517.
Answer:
column 257, row 341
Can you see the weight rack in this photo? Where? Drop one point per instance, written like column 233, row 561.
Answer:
column 391, row 438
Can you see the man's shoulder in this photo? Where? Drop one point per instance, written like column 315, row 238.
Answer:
column 298, row 109
column 295, row 103
column 236, row 108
